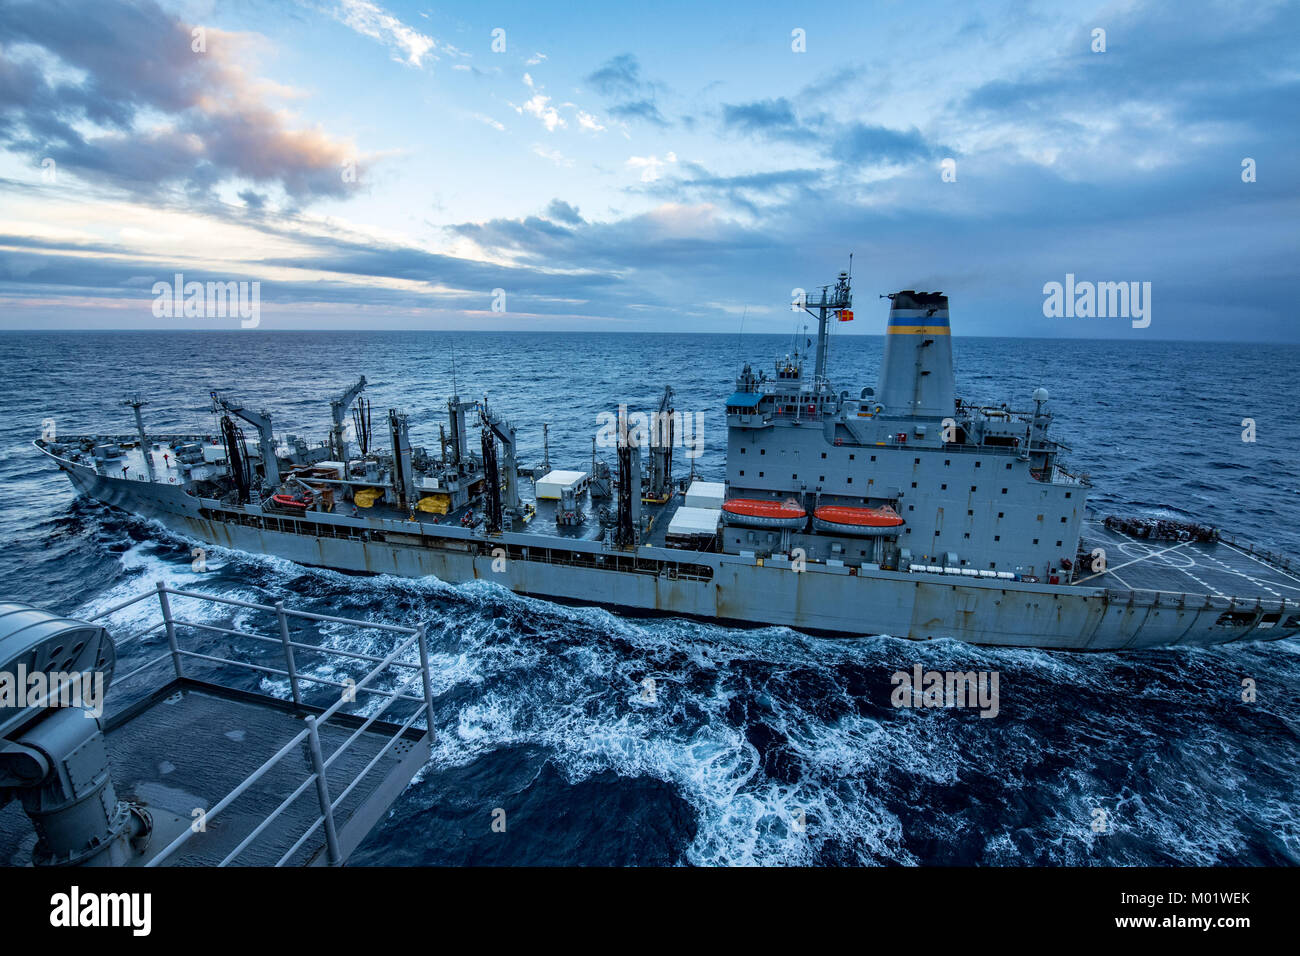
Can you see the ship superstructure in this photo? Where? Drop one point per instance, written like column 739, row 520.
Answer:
column 894, row 508
column 929, row 479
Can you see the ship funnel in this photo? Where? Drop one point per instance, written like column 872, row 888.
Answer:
column 916, row 371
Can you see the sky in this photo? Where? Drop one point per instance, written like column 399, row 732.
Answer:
column 675, row 167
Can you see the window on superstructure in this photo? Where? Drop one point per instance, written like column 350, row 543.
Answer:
column 914, row 484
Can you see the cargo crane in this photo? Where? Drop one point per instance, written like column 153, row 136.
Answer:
column 262, row 422
column 507, row 484
column 660, row 478
column 136, row 403
column 361, row 422
column 403, row 472
column 237, row 458
column 627, row 526
column 338, row 411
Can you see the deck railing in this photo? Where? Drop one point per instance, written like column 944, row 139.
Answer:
column 310, row 734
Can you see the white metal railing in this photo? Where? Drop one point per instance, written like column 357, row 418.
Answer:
column 311, row 733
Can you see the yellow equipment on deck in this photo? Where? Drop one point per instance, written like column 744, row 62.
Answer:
column 366, row 497
column 438, row 504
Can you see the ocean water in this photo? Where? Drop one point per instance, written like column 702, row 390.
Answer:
column 762, row 746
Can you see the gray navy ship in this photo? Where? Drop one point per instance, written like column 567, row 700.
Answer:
column 893, row 509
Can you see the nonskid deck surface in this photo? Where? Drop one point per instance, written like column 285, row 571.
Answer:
column 1220, row 569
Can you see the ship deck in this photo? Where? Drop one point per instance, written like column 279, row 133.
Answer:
column 1226, row 568
column 1221, row 569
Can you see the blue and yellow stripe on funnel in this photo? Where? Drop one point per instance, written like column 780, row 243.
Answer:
column 917, row 322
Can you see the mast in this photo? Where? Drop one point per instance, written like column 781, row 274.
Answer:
column 836, row 299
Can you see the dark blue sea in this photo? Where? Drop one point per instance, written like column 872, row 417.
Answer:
column 539, row 710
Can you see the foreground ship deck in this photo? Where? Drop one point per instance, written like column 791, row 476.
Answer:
column 293, row 773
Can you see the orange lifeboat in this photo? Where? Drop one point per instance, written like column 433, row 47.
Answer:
column 765, row 513
column 848, row 519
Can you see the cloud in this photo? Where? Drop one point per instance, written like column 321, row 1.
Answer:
column 554, row 155
column 561, row 211
column 639, row 110
column 650, row 165
column 540, row 107
column 589, row 122
column 619, row 77
column 407, row 44
column 146, row 112
column 632, row 97
column 851, row 143
column 763, row 116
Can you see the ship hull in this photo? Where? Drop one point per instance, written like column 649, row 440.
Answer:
column 735, row 589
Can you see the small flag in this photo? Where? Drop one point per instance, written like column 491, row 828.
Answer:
column 846, row 315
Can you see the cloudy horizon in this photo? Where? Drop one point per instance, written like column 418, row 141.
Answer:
column 394, row 165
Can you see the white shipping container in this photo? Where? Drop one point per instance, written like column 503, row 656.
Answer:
column 695, row 521
column 705, row 494
column 550, row 486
